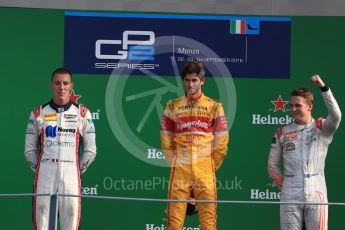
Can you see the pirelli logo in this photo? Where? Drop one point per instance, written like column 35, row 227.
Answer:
column 291, row 133
column 50, row 117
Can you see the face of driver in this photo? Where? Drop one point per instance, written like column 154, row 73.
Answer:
column 192, row 85
column 300, row 110
column 61, row 85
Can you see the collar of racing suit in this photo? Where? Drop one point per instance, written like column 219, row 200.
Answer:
column 195, row 99
column 300, row 127
column 60, row 108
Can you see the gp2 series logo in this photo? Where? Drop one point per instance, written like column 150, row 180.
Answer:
column 132, row 49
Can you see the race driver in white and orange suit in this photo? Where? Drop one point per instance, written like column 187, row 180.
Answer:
column 54, row 135
column 302, row 147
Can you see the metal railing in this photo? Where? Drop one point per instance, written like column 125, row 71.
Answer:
column 53, row 210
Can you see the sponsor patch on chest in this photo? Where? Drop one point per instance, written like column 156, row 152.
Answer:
column 291, row 138
column 50, row 117
column 290, row 133
column 290, row 147
column 309, row 139
column 70, row 116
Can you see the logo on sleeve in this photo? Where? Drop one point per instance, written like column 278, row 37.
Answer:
column 83, row 111
column 37, row 111
column 91, row 130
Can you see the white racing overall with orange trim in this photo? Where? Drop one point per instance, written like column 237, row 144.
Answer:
column 303, row 149
column 52, row 143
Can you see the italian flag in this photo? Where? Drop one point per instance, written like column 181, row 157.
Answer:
column 238, row 26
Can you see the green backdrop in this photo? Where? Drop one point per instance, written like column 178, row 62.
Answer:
column 32, row 44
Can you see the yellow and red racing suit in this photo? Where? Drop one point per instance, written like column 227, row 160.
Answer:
column 194, row 139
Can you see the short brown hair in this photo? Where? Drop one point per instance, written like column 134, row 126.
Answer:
column 193, row 67
column 61, row 71
column 305, row 93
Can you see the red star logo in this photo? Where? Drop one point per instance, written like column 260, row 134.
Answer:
column 279, row 104
column 73, row 97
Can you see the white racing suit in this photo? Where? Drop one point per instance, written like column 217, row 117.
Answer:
column 53, row 137
column 303, row 149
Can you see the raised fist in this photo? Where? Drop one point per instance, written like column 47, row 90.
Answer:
column 317, row 81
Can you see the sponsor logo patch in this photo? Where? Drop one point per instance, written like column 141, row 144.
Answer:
column 309, row 139
column 50, row 117
column 70, row 116
column 290, row 146
column 64, row 144
column 91, row 130
column 196, row 124
column 30, row 130
column 291, row 133
column 291, row 138
column 51, row 131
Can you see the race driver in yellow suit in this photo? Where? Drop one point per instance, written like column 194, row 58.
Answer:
column 194, row 139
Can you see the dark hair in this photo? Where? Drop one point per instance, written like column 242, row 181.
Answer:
column 193, row 67
column 61, row 71
column 305, row 93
